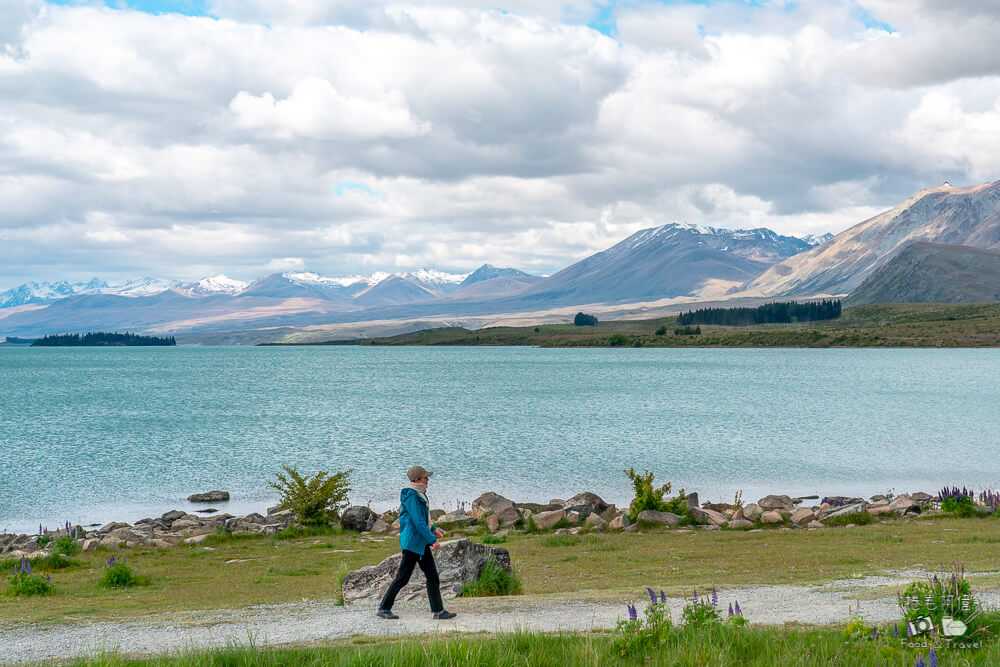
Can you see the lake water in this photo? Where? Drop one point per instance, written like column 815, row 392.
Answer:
column 95, row 434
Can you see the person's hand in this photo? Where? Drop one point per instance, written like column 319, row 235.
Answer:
column 438, row 532
column 436, row 546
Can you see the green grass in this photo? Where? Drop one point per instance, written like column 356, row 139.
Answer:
column 493, row 580
column 878, row 325
column 242, row 573
column 859, row 519
column 717, row 646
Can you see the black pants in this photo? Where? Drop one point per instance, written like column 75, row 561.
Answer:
column 410, row 559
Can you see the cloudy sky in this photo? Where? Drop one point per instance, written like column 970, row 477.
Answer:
column 189, row 138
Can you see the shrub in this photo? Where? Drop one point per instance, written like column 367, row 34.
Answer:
column 662, row 330
column 699, row 613
column 493, row 580
column 494, row 539
column 637, row 636
column 687, row 331
column 647, row 497
column 66, row 545
column 617, row 340
column 584, row 320
column 23, row 582
column 961, row 506
column 315, row 501
column 118, row 574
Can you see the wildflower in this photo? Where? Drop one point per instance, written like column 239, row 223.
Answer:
column 736, row 608
column 632, row 613
column 715, row 597
column 730, row 609
column 694, row 596
column 932, row 658
column 652, row 595
column 874, row 634
column 909, row 633
column 663, row 596
column 895, row 631
column 920, row 661
column 48, row 578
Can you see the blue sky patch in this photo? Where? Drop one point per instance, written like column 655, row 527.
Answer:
column 185, row 7
column 340, row 189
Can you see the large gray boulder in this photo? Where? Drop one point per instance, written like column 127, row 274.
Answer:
column 846, row 510
column 706, row 517
column 358, row 518
column 493, row 504
column 458, row 562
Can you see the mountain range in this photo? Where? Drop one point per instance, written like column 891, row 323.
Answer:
column 653, row 270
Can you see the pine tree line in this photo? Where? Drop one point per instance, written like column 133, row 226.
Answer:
column 102, row 338
column 769, row 313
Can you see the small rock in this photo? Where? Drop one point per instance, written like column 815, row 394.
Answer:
column 115, row 525
column 740, row 523
column 880, row 509
column 209, row 497
column 775, row 503
column 380, row 526
column 771, row 517
column 574, row 517
column 456, row 518
column 703, row 516
column 435, row 514
column 631, row 528
column 619, row 522
column 173, row 515
column 846, row 510
column 588, row 498
column 921, row 497
column 491, row 503
column 595, row 521
column 492, row 523
column 692, row 499
column 659, row 518
column 196, row 539
column 545, row 520
column 210, row 510
column 537, row 507
column 751, row 512
column 801, row 516
column 358, row 518
column 815, row 524
column 90, row 545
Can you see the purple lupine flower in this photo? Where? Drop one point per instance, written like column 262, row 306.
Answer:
column 632, row 613
column 874, row 634
column 736, row 608
column 730, row 609
column 895, row 631
column 920, row 661
column 715, row 597
column 932, row 660
column 663, row 596
column 694, row 596
column 935, row 579
column 909, row 633
column 48, row 578
column 652, row 595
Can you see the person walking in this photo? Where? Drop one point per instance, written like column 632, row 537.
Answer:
column 417, row 537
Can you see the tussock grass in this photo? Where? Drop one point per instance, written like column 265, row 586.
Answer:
column 493, row 580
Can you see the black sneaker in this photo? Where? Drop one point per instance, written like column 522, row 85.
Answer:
column 383, row 613
column 444, row 615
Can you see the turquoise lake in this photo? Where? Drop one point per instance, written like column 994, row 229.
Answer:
column 95, row 434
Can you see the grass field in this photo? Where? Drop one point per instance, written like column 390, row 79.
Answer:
column 880, row 325
column 240, row 572
column 690, row 647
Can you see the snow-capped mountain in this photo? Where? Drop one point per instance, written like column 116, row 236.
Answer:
column 816, row 239
column 35, row 292
column 220, row 284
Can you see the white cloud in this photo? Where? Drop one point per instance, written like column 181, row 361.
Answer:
column 169, row 145
column 286, row 264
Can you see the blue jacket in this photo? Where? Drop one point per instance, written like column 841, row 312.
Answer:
column 414, row 535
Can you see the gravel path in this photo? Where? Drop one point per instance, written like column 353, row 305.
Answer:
column 312, row 621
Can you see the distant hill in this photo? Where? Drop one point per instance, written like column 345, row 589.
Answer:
column 489, row 272
column 933, row 273
column 945, row 214
column 676, row 259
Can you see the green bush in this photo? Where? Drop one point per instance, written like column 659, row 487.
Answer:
column 961, row 506
column 25, row 583
column 118, row 574
column 699, row 613
column 66, row 545
column 637, row 636
column 494, row 539
column 493, row 580
column 315, row 501
column 662, row 330
column 618, row 340
column 649, row 498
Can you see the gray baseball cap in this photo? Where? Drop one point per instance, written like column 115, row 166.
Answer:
column 416, row 472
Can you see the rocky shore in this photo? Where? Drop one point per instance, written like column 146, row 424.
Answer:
column 494, row 514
